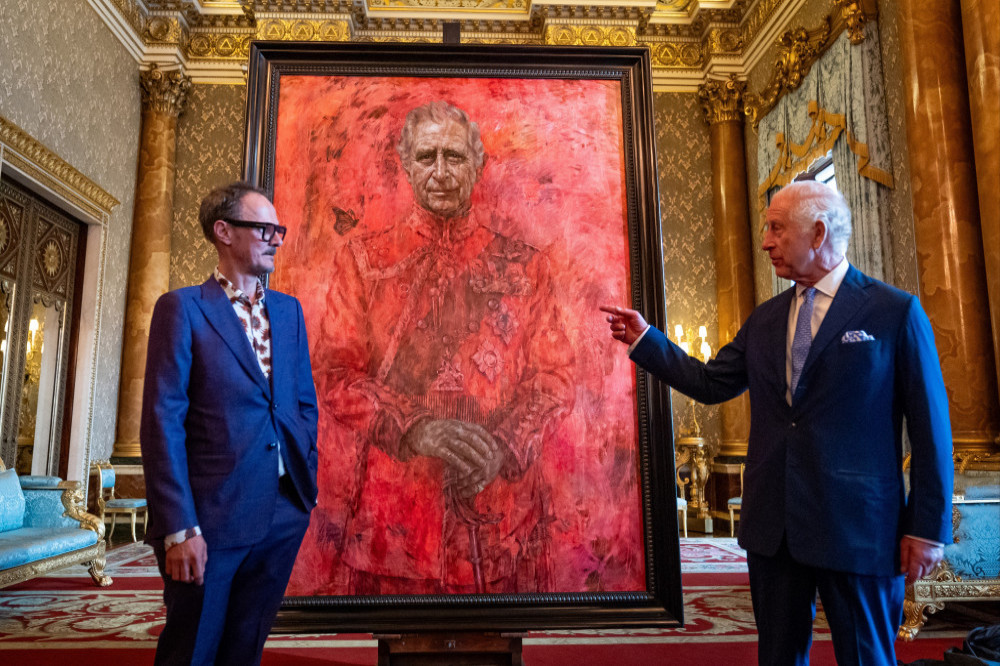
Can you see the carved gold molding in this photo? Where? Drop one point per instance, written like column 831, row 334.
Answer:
column 722, row 101
column 590, row 35
column 449, row 4
column 220, row 46
column 33, row 159
column 164, row 92
column 975, row 460
column 800, row 48
column 676, row 55
column 305, row 30
column 164, row 30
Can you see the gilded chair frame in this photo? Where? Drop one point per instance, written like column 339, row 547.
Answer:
column 105, row 497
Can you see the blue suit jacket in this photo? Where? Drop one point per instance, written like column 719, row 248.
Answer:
column 827, row 470
column 211, row 419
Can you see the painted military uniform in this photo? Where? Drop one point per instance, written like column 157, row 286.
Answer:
column 447, row 319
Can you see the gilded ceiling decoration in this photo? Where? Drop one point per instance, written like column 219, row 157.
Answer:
column 689, row 40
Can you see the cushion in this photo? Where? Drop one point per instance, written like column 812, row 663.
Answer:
column 31, row 544
column 126, row 503
column 11, row 501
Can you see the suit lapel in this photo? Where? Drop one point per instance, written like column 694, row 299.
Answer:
column 774, row 350
column 281, row 356
column 850, row 297
column 219, row 313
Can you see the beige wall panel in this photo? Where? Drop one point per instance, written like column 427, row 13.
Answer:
column 209, row 153
column 69, row 83
column 684, row 164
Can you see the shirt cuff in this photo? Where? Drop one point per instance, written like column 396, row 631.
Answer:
column 635, row 344
column 172, row 540
column 932, row 542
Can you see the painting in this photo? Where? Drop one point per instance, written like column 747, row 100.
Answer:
column 488, row 456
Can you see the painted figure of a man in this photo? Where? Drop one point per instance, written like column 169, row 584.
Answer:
column 450, row 367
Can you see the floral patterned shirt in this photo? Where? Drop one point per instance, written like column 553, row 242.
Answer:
column 253, row 316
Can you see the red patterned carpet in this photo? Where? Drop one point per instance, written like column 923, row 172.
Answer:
column 65, row 619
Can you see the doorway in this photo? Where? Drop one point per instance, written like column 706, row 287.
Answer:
column 40, row 254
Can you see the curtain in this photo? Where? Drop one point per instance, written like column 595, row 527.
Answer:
column 839, row 107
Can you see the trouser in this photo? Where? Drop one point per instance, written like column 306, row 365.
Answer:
column 227, row 619
column 863, row 612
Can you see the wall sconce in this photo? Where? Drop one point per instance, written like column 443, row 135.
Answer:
column 691, row 448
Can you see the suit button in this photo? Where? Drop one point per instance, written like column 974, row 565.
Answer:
column 793, row 424
column 272, row 446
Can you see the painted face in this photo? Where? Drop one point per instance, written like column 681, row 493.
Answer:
column 252, row 255
column 793, row 248
column 442, row 169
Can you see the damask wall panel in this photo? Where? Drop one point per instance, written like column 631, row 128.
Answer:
column 685, row 181
column 209, row 153
column 904, row 247
column 69, row 83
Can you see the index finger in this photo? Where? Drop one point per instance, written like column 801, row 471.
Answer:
column 611, row 309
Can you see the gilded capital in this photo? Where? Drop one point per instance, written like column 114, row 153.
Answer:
column 162, row 91
column 722, row 101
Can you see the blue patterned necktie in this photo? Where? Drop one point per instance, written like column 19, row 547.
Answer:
column 803, row 335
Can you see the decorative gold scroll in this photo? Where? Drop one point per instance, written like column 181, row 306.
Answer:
column 801, row 48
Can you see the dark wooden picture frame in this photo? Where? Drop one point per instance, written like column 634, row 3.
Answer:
column 659, row 601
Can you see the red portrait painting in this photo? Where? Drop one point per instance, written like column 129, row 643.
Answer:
column 450, row 240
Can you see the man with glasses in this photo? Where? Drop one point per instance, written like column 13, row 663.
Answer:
column 228, row 440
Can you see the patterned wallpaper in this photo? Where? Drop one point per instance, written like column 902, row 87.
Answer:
column 685, row 181
column 69, row 83
column 209, row 153
column 903, row 245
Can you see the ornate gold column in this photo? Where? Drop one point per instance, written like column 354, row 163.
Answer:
column 950, row 263
column 163, row 96
column 981, row 28
column 722, row 102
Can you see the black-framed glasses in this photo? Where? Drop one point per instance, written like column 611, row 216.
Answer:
column 267, row 230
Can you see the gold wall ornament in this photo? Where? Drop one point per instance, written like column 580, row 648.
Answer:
column 32, row 158
column 675, row 54
column 164, row 92
column 799, row 49
column 164, row 30
column 449, row 4
column 855, row 17
column 316, row 30
column 724, row 41
column 590, row 35
column 722, row 101
column 976, row 460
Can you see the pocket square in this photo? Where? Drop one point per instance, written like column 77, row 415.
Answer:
column 856, row 336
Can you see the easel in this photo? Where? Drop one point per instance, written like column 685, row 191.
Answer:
column 453, row 649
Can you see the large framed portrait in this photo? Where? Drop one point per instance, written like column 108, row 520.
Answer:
column 489, row 458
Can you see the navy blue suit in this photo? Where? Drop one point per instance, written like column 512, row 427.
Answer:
column 824, row 479
column 212, row 429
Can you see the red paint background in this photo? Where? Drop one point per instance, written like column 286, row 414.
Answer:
column 555, row 167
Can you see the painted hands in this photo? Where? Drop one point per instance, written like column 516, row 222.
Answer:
column 626, row 325
column 473, row 456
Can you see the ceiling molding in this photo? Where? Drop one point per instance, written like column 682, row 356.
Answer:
column 690, row 41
